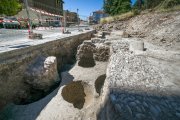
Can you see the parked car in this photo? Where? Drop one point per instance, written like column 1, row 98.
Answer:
column 10, row 22
column 56, row 24
column 1, row 22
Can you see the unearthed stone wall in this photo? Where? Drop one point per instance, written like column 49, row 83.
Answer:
column 85, row 54
column 42, row 74
column 13, row 64
column 141, row 85
column 91, row 51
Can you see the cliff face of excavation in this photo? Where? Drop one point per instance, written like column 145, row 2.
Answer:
column 161, row 29
column 29, row 74
column 143, row 82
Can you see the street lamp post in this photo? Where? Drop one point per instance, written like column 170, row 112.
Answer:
column 78, row 18
column 64, row 20
column 29, row 21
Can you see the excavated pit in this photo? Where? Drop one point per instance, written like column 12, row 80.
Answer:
column 74, row 93
column 79, row 93
column 99, row 83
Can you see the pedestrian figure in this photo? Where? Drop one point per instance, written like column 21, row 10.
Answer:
column 140, row 2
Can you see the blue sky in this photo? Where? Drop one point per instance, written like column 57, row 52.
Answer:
column 85, row 6
column 133, row 1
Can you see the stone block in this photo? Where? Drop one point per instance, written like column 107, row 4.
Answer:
column 125, row 35
column 35, row 36
column 137, row 45
column 85, row 54
column 42, row 73
column 102, row 53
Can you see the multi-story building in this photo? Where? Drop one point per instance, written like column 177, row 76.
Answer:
column 97, row 15
column 71, row 17
column 90, row 20
column 50, row 6
column 46, row 12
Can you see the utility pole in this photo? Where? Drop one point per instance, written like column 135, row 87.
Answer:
column 29, row 21
column 78, row 18
column 64, row 20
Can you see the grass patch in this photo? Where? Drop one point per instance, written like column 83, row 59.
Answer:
column 168, row 5
column 164, row 6
column 161, row 9
column 118, row 17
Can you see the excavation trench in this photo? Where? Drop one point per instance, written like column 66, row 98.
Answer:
column 80, row 88
column 16, row 67
column 38, row 90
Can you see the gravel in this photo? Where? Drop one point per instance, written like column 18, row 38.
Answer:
column 142, row 83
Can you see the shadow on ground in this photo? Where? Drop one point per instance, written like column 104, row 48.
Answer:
column 131, row 106
column 32, row 111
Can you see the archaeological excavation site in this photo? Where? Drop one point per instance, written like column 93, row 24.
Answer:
column 124, row 70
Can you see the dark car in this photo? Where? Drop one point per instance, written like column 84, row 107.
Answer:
column 1, row 22
column 10, row 22
column 56, row 24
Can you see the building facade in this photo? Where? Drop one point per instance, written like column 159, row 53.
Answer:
column 71, row 17
column 44, row 12
column 97, row 15
column 50, row 6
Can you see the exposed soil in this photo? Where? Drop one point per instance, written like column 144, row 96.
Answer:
column 161, row 29
column 99, row 83
column 74, row 93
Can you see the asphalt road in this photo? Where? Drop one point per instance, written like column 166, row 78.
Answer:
column 12, row 34
column 11, row 39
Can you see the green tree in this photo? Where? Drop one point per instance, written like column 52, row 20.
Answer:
column 114, row 7
column 9, row 7
column 150, row 4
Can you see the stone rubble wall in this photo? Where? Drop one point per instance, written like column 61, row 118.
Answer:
column 138, row 86
column 93, row 50
column 43, row 73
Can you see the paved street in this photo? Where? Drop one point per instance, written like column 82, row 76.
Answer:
column 11, row 39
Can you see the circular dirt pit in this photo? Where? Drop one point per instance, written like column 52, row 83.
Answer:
column 99, row 83
column 78, row 93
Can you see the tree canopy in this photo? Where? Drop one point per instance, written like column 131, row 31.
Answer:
column 9, row 7
column 114, row 7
